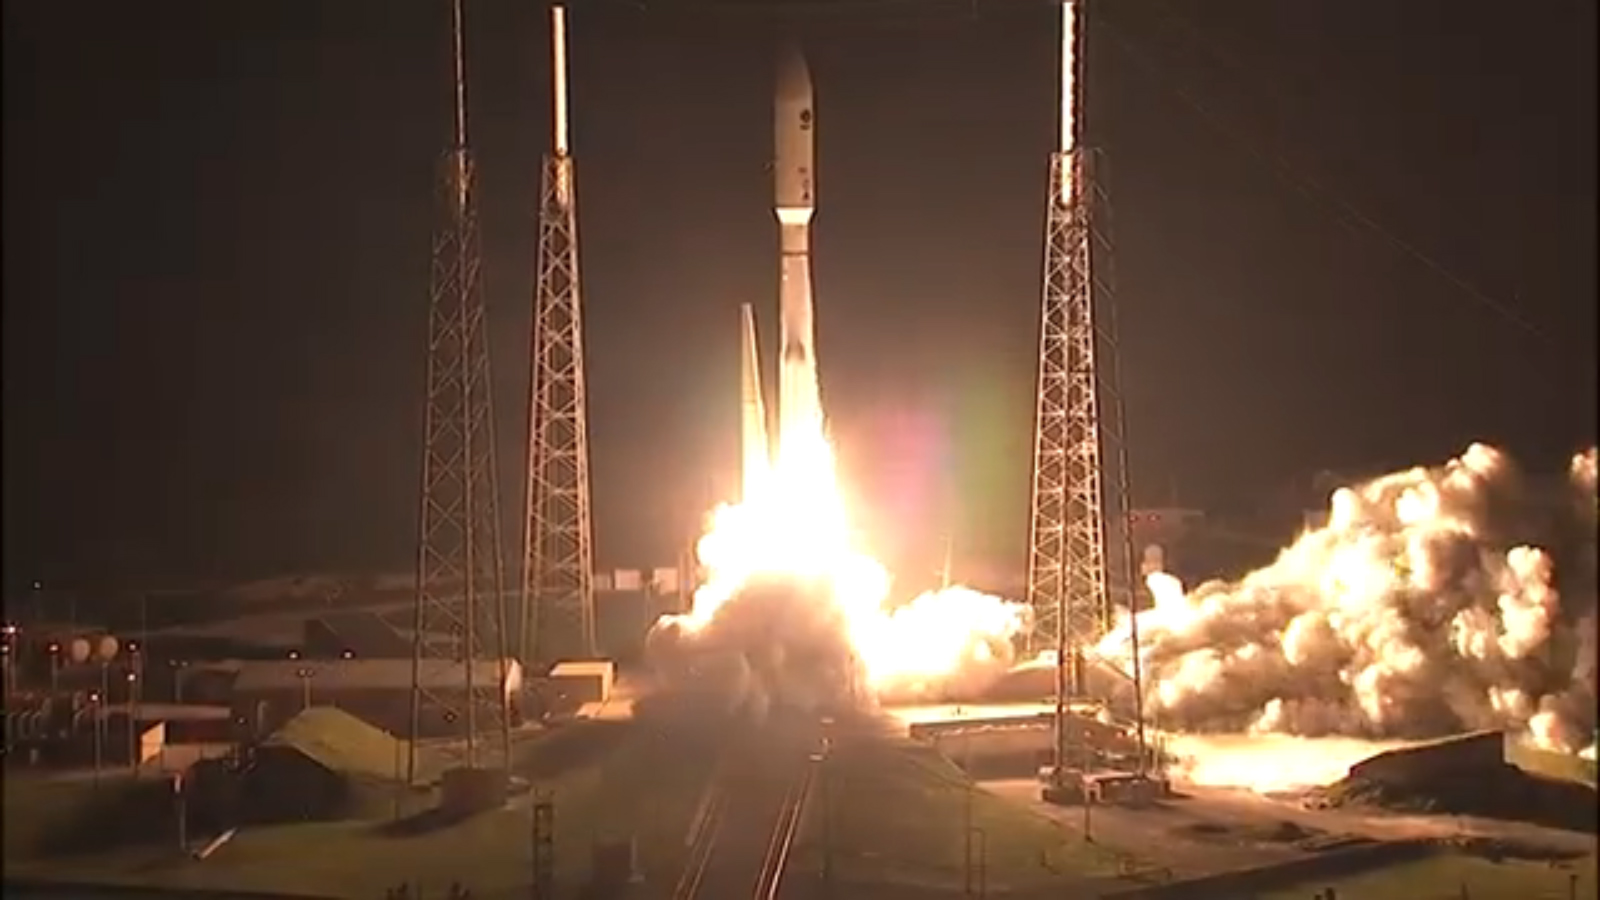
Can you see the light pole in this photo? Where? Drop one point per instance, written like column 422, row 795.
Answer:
column 827, row 824
column 821, row 759
column 133, row 723
column 177, row 665
column 96, row 718
column 55, row 668
column 1088, row 803
column 8, row 648
column 182, row 802
column 305, row 674
column 6, row 687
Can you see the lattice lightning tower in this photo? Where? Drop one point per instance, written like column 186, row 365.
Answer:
column 1067, row 555
column 458, row 648
column 558, row 549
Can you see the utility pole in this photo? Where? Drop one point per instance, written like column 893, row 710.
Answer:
column 460, row 592
column 558, row 549
column 966, row 814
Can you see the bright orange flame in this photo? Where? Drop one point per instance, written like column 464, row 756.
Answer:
column 793, row 522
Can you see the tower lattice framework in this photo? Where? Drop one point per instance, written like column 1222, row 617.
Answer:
column 459, row 660
column 558, row 548
column 1078, row 549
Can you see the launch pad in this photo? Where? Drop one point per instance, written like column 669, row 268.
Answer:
column 1019, row 739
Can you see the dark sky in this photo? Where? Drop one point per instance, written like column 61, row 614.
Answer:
column 217, row 222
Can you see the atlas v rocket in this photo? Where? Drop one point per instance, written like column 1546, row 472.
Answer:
column 794, row 203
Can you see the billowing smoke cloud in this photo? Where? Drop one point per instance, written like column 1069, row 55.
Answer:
column 950, row 643
column 783, row 642
column 777, row 643
column 1417, row 610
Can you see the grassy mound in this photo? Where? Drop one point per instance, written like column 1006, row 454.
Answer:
column 894, row 811
column 1497, row 792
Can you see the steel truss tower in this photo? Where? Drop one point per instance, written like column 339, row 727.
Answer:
column 558, row 550
column 459, row 658
column 1069, row 555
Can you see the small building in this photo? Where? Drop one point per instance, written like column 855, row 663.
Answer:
column 574, row 683
column 322, row 764
column 268, row 693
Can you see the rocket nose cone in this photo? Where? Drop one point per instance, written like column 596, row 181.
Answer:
column 794, row 79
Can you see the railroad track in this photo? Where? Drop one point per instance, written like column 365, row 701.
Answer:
column 745, row 825
column 790, row 815
column 701, row 839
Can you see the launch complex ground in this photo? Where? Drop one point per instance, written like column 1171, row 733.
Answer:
column 881, row 808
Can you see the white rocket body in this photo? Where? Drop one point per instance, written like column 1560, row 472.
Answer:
column 794, row 186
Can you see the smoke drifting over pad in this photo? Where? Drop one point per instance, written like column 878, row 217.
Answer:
column 1417, row 611
column 778, row 644
column 785, row 642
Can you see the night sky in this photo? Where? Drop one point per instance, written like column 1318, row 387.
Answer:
column 1350, row 235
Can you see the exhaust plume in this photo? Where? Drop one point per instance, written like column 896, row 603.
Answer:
column 1418, row 610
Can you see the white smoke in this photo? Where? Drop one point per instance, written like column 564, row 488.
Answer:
column 1413, row 612
column 954, row 642
column 777, row 643
column 782, row 642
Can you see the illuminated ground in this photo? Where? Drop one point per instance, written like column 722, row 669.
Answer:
column 1459, row 875
column 1220, row 832
column 614, row 780
column 893, row 812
